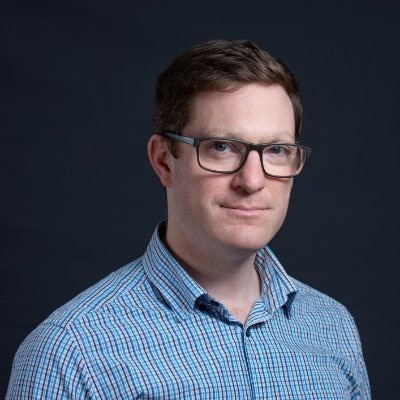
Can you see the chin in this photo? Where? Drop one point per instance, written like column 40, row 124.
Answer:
column 248, row 240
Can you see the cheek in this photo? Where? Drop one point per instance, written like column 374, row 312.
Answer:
column 284, row 186
column 188, row 189
column 281, row 192
column 197, row 195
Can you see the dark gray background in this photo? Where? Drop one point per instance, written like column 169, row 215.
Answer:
column 78, row 198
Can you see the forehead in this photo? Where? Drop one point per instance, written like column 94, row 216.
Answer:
column 254, row 112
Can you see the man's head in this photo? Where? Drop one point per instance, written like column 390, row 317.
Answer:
column 222, row 66
column 230, row 91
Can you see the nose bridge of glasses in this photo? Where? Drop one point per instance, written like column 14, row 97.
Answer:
column 258, row 148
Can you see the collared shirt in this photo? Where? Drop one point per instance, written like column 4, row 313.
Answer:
column 149, row 331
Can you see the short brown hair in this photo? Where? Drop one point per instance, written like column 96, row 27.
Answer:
column 217, row 65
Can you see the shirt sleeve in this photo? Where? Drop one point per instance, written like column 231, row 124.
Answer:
column 363, row 389
column 49, row 365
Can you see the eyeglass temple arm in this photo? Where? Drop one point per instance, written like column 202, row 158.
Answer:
column 180, row 138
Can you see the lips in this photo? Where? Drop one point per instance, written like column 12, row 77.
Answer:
column 243, row 207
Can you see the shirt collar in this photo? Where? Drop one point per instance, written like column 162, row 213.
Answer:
column 278, row 288
column 177, row 288
column 181, row 292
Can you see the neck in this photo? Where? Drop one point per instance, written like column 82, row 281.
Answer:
column 228, row 277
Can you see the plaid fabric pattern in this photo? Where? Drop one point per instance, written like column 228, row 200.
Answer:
column 148, row 331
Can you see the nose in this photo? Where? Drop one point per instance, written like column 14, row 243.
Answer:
column 250, row 177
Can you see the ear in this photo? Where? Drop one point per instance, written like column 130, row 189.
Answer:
column 159, row 156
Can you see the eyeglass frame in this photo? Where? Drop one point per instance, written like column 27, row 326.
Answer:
column 259, row 148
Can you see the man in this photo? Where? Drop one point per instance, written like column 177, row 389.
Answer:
column 207, row 312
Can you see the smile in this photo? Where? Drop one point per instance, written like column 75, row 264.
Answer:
column 244, row 211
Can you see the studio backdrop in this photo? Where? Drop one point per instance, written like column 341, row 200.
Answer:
column 79, row 199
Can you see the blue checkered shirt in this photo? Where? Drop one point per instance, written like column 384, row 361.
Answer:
column 148, row 331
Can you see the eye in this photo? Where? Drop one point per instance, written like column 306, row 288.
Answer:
column 220, row 146
column 223, row 146
column 277, row 150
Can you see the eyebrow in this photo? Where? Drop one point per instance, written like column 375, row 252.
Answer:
column 283, row 137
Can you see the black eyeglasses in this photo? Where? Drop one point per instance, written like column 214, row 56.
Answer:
column 227, row 156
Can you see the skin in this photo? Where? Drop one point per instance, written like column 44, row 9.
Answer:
column 217, row 222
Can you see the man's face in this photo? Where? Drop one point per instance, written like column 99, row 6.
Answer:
column 236, row 213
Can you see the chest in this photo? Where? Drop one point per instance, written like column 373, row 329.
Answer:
column 205, row 358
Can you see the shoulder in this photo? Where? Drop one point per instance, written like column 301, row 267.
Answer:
column 122, row 283
column 308, row 299
column 107, row 294
column 121, row 286
column 323, row 313
column 52, row 353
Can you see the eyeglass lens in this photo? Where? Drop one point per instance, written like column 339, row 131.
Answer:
column 227, row 156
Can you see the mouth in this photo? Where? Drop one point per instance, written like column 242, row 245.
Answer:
column 244, row 210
